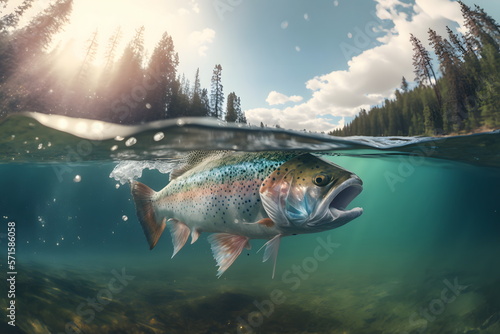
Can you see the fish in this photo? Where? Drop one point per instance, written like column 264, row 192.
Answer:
column 240, row 196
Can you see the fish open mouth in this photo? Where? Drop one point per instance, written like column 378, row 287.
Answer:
column 342, row 196
column 345, row 193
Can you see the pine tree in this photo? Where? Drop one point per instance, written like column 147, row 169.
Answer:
column 450, row 65
column 489, row 27
column 126, row 80
column 33, row 39
column 422, row 63
column 457, row 43
column 481, row 28
column 489, row 88
column 217, row 94
column 198, row 109
column 404, row 85
column 186, row 87
column 424, row 71
column 23, row 48
column 231, row 115
column 241, row 118
column 110, row 53
column 92, row 45
column 11, row 20
column 180, row 102
column 205, row 102
column 161, row 73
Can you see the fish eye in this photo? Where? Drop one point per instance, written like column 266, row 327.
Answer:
column 321, row 180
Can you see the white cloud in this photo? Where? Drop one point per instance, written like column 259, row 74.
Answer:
column 275, row 98
column 195, row 7
column 182, row 12
column 284, row 24
column 373, row 75
column 201, row 39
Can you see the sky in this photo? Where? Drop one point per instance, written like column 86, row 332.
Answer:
column 300, row 64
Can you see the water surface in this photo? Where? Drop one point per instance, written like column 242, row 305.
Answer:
column 423, row 258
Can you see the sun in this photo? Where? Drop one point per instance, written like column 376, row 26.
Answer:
column 99, row 21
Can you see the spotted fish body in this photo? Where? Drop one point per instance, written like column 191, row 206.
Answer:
column 221, row 194
column 239, row 196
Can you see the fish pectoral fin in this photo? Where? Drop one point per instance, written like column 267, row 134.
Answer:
column 151, row 225
column 226, row 248
column 272, row 247
column 180, row 233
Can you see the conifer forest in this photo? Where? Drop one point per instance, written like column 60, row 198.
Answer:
column 129, row 88
column 461, row 94
column 457, row 79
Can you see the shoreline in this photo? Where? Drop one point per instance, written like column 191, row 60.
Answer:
column 482, row 129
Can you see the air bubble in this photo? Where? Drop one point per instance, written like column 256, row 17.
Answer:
column 131, row 141
column 114, row 148
column 159, row 136
column 77, row 178
column 124, row 218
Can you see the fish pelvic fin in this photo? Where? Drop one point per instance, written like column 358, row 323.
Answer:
column 180, row 233
column 271, row 252
column 195, row 234
column 151, row 225
column 226, row 248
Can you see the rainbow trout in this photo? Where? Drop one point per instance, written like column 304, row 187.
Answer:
column 238, row 196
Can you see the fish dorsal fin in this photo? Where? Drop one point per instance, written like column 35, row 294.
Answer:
column 193, row 159
column 180, row 233
column 226, row 248
column 271, row 252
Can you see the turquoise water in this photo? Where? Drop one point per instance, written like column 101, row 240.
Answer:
column 423, row 257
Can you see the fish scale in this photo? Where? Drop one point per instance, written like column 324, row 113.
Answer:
column 239, row 196
column 219, row 191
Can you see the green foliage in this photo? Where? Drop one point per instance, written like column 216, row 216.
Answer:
column 233, row 109
column 217, row 93
column 231, row 115
column 129, row 89
column 465, row 96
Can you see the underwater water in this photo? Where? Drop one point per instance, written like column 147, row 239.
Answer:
column 423, row 257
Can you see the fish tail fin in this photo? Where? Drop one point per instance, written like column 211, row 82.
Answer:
column 152, row 227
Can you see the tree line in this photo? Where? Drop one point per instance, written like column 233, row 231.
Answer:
column 128, row 89
column 465, row 96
